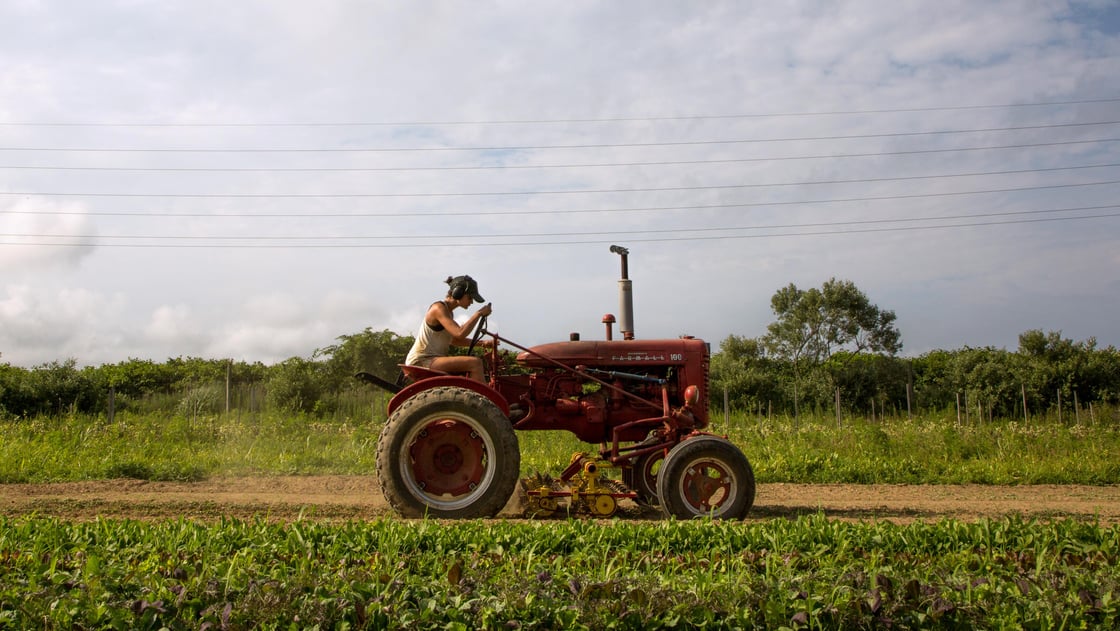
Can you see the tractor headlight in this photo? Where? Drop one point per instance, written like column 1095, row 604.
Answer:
column 691, row 396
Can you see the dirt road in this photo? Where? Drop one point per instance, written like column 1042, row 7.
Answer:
column 358, row 497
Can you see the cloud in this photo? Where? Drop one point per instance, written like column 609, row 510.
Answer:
column 38, row 325
column 275, row 326
column 37, row 233
column 175, row 325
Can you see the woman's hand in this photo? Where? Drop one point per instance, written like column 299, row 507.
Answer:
column 486, row 310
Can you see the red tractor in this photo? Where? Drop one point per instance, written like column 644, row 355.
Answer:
column 449, row 448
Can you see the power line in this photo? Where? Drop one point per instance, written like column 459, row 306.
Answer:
column 629, row 231
column 544, row 147
column 567, row 211
column 877, row 154
column 538, row 121
column 457, row 240
column 556, row 192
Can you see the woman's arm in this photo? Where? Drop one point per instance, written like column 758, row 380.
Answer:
column 460, row 334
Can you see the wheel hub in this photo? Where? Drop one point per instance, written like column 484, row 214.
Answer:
column 448, row 458
column 706, row 486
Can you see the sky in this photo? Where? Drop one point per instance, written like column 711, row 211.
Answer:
column 251, row 180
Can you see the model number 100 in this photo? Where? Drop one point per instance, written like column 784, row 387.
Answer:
column 676, row 357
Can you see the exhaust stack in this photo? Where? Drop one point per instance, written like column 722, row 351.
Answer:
column 625, row 296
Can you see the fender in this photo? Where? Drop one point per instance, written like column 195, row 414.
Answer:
column 448, row 380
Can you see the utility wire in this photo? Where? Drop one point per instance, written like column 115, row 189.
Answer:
column 543, row 147
column 555, row 192
column 457, row 240
column 628, row 231
column 876, row 154
column 946, row 108
column 567, row 211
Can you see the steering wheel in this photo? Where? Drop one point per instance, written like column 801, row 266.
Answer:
column 479, row 331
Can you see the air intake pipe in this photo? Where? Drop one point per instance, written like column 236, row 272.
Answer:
column 625, row 296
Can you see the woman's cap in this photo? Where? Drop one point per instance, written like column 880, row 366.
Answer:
column 463, row 285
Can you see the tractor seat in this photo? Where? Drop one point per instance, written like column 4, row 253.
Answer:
column 417, row 373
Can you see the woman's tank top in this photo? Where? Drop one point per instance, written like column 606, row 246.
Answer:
column 431, row 342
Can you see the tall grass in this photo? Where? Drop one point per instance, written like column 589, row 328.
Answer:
column 925, row 449
column 176, row 447
column 928, row 449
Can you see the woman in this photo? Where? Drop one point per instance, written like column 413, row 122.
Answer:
column 439, row 331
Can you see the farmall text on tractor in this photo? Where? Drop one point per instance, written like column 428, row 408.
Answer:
column 449, row 448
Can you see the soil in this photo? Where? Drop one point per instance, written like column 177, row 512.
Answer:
column 341, row 498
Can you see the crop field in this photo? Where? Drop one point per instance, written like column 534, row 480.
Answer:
column 77, row 562
column 804, row 573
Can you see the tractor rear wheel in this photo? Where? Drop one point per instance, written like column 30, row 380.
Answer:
column 642, row 477
column 448, row 453
column 706, row 476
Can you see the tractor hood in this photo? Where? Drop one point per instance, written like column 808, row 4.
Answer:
column 615, row 353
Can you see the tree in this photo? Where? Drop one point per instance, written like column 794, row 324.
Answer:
column 136, row 378
column 814, row 324
column 295, row 385
column 933, row 379
column 378, row 352
column 984, row 376
column 1078, row 370
column 742, row 368
column 869, row 381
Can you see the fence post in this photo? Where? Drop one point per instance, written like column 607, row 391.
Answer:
column 726, row 410
column 229, row 371
column 1059, row 406
column 795, row 402
column 1026, row 415
column 838, row 408
column 958, row 409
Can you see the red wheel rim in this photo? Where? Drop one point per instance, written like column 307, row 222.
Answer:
column 448, row 458
column 706, row 486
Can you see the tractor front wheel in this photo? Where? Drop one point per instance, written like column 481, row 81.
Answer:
column 706, row 476
column 448, row 453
